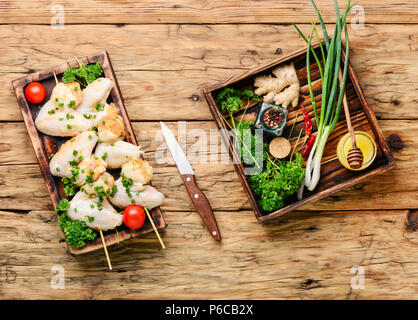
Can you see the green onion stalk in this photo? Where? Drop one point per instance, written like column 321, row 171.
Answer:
column 332, row 89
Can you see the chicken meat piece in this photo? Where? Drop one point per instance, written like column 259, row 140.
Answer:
column 94, row 97
column 71, row 152
column 115, row 154
column 102, row 185
column 61, row 122
column 146, row 196
column 105, row 111
column 89, row 170
column 97, row 215
column 66, row 95
column 111, row 128
column 138, row 170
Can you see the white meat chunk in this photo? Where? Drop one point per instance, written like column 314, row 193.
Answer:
column 94, row 96
column 115, row 154
column 104, row 185
column 146, row 196
column 137, row 170
column 61, row 122
column 75, row 149
column 111, row 128
column 97, row 216
column 66, row 95
column 90, row 169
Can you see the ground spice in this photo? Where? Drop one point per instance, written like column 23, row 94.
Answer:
column 272, row 118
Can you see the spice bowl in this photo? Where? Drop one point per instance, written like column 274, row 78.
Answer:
column 271, row 119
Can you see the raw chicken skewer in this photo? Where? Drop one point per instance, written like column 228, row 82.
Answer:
column 74, row 112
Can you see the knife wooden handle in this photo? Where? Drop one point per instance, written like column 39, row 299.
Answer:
column 202, row 205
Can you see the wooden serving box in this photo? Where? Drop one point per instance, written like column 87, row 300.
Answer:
column 334, row 177
column 45, row 145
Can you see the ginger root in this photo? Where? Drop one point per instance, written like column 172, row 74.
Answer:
column 283, row 88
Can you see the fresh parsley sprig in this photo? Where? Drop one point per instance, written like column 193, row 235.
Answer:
column 84, row 75
column 76, row 232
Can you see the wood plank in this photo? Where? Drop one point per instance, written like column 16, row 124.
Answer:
column 189, row 11
column 190, row 57
column 306, row 255
column 393, row 190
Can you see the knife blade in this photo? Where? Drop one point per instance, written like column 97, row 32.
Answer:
column 198, row 198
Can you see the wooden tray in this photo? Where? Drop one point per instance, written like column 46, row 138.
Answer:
column 45, row 145
column 334, row 177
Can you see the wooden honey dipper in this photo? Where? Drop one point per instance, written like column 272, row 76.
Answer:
column 354, row 156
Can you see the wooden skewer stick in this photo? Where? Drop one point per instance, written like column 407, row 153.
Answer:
column 56, row 80
column 355, row 156
column 105, row 250
column 155, row 229
column 81, row 64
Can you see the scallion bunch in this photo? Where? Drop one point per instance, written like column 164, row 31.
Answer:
column 332, row 89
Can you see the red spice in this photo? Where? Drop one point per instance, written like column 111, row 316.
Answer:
column 308, row 122
column 308, row 147
column 272, row 118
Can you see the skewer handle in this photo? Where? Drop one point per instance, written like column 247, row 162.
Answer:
column 153, row 226
column 347, row 115
column 56, row 79
column 105, row 250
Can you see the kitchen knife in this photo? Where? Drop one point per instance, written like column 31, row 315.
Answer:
column 196, row 195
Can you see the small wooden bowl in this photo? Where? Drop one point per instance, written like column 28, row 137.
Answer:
column 345, row 145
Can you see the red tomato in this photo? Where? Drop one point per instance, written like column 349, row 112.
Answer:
column 35, row 92
column 134, row 216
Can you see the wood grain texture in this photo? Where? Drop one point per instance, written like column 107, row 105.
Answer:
column 305, row 255
column 190, row 57
column 200, row 11
column 164, row 67
column 214, row 171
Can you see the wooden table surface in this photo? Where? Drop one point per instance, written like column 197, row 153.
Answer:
column 163, row 54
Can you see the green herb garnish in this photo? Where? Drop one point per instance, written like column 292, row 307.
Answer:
column 99, row 106
column 277, row 182
column 84, row 75
column 76, row 232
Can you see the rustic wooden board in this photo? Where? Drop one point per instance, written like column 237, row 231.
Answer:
column 192, row 11
column 45, row 145
column 204, row 54
column 334, row 177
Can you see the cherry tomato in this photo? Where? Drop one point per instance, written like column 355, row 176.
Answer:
column 35, row 92
column 134, row 216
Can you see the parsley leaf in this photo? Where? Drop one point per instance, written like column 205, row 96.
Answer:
column 231, row 100
column 84, row 75
column 277, row 182
column 76, row 232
